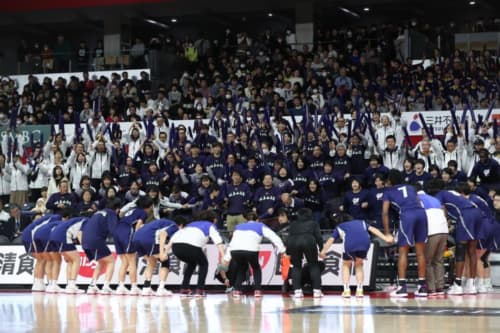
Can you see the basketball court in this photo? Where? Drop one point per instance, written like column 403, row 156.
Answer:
column 40, row 312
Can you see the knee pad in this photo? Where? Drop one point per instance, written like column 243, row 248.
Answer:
column 460, row 252
column 165, row 263
column 484, row 259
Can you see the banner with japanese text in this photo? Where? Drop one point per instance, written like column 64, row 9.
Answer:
column 16, row 267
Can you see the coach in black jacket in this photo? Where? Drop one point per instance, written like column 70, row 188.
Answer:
column 305, row 239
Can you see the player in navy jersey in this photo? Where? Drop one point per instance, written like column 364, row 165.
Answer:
column 28, row 242
column 412, row 229
column 356, row 202
column 92, row 236
column 244, row 251
column 486, row 237
column 356, row 237
column 122, row 236
column 63, row 237
column 468, row 222
column 49, row 251
column 150, row 241
column 187, row 244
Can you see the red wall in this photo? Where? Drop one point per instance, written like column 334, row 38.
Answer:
column 29, row 5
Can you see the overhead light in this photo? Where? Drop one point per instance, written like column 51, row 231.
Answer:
column 154, row 22
column 472, row 3
column 349, row 12
column 270, row 14
column 173, row 20
column 366, row 9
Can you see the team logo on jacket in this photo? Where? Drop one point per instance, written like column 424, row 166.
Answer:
column 486, row 172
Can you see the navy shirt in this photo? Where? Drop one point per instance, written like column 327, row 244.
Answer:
column 266, row 198
column 56, row 199
column 454, row 203
column 237, row 197
column 403, row 197
column 352, row 204
column 97, row 228
column 329, row 184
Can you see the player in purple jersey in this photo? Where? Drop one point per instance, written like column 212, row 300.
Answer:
column 356, row 240
column 92, row 236
column 132, row 221
column 150, row 241
column 486, row 238
column 412, row 229
column 40, row 263
column 468, row 219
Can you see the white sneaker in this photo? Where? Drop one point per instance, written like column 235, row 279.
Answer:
column 122, row 290
column 400, row 292
column 482, row 289
column 470, row 288
column 455, row 289
column 92, row 290
column 73, row 290
column 163, row 292
column 38, row 287
column 298, row 294
column 147, row 292
column 54, row 289
column 317, row 293
column 106, row 291
column 134, row 291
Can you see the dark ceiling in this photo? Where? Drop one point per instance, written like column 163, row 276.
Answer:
column 230, row 12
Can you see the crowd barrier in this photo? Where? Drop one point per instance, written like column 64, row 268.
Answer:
column 16, row 267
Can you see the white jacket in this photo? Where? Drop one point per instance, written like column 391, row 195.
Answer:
column 4, row 182
column 99, row 162
column 19, row 176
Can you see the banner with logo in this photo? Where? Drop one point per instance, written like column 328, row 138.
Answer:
column 16, row 267
column 439, row 120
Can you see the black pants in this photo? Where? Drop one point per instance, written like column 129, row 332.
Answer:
column 298, row 246
column 193, row 256
column 243, row 259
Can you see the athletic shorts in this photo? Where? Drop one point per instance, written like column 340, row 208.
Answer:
column 354, row 254
column 123, row 240
column 412, row 227
column 64, row 247
column 28, row 246
column 146, row 249
column 468, row 225
column 97, row 253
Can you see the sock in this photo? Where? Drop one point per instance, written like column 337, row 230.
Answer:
column 402, row 282
column 421, row 282
column 106, row 284
column 147, row 284
column 480, row 282
column 71, row 283
column 52, row 282
column 359, row 287
column 121, row 285
column 346, row 287
column 92, row 283
column 133, row 285
column 487, row 282
column 458, row 282
column 161, row 285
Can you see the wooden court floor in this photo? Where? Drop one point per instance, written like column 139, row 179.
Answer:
column 53, row 313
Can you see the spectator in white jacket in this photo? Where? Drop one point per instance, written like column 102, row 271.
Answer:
column 392, row 155
column 4, row 181
column 430, row 151
column 100, row 160
column 19, row 181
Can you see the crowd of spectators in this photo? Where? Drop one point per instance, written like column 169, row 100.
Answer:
column 243, row 153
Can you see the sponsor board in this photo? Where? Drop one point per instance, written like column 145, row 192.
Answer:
column 16, row 267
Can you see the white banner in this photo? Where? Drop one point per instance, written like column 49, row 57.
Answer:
column 16, row 267
column 440, row 119
column 22, row 80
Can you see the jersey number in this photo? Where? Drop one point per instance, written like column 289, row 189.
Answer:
column 405, row 192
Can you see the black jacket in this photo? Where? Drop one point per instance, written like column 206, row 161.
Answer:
column 305, row 226
column 9, row 228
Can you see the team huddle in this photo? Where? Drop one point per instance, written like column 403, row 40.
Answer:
column 424, row 222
